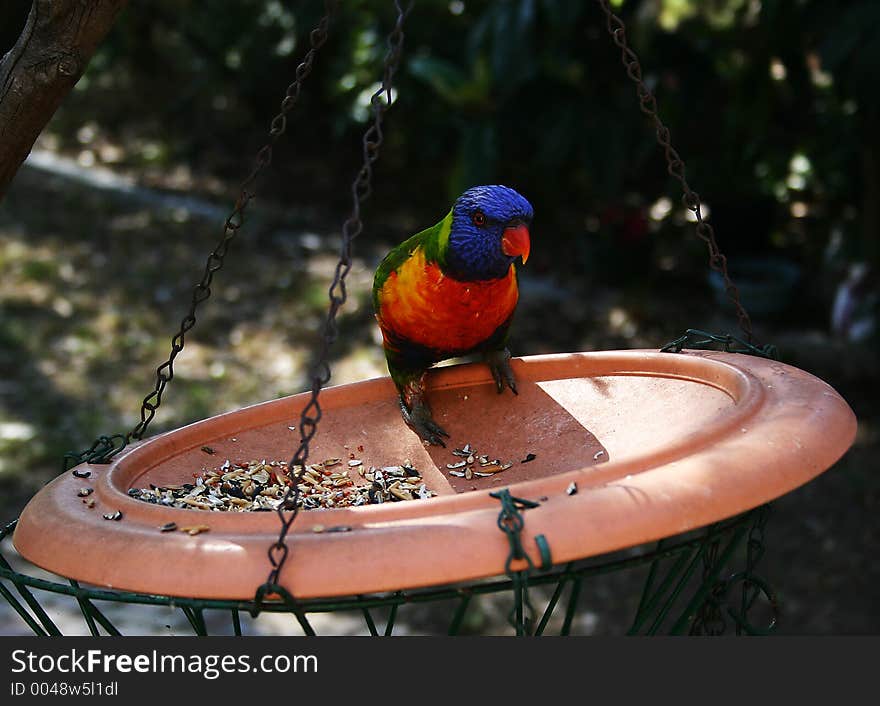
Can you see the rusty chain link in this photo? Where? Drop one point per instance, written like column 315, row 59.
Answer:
column 202, row 290
column 361, row 189
column 675, row 164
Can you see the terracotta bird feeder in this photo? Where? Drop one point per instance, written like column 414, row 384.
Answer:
column 625, row 447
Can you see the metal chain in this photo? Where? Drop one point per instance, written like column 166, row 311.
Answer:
column 101, row 451
column 202, row 290
column 675, row 164
column 694, row 338
column 753, row 586
column 361, row 190
column 511, row 522
column 709, row 619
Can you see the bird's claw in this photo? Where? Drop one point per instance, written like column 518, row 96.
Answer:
column 499, row 365
column 420, row 420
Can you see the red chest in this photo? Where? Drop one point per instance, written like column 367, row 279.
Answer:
column 422, row 305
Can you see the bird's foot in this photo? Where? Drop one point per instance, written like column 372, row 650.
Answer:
column 499, row 365
column 419, row 418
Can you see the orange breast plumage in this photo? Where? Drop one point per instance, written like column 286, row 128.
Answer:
column 421, row 305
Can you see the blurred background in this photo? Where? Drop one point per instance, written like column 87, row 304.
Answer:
column 771, row 103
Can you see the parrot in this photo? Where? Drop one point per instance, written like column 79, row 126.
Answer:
column 451, row 290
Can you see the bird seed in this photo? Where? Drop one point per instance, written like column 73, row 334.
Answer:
column 261, row 486
column 475, row 464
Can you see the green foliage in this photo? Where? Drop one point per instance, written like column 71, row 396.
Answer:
column 526, row 92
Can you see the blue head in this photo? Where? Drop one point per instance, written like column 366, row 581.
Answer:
column 490, row 229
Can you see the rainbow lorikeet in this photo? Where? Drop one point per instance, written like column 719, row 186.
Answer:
column 449, row 291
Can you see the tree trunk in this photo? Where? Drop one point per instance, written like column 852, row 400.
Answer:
column 48, row 59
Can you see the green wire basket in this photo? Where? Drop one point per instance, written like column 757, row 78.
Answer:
column 702, row 582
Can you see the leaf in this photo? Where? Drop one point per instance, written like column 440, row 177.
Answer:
column 447, row 79
column 452, row 84
column 512, row 51
column 562, row 13
column 477, row 157
column 856, row 29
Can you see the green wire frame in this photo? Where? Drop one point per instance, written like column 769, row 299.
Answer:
column 688, row 578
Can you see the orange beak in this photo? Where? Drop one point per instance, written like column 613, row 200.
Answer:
column 516, row 242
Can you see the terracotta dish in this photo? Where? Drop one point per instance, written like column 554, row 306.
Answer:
column 655, row 443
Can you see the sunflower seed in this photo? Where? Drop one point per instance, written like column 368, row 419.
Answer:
column 168, row 527
column 83, row 492
column 571, row 489
column 196, row 503
column 402, row 494
column 113, row 515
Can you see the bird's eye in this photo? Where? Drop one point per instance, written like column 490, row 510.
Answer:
column 479, row 218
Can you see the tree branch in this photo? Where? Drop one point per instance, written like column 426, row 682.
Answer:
column 36, row 75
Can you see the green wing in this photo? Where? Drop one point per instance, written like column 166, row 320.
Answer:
column 433, row 242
